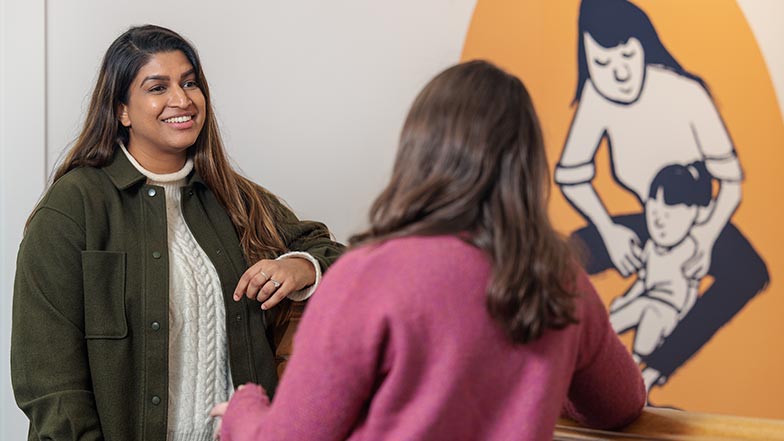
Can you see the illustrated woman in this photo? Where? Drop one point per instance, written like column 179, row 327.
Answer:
column 653, row 113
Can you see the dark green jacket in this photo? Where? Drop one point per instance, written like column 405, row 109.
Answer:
column 89, row 345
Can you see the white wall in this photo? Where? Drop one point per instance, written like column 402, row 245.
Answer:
column 22, row 164
column 310, row 96
column 766, row 18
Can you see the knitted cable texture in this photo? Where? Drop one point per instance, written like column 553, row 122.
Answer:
column 198, row 350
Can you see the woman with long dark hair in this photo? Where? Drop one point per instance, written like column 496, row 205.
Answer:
column 132, row 301
column 459, row 314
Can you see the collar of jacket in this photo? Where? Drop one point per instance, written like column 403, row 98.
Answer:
column 124, row 175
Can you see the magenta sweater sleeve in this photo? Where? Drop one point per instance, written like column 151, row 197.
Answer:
column 330, row 378
column 607, row 390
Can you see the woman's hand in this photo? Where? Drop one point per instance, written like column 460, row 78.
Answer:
column 250, row 400
column 270, row 281
column 698, row 265
column 217, row 412
column 624, row 249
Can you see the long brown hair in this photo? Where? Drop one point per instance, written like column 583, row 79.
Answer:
column 102, row 133
column 471, row 161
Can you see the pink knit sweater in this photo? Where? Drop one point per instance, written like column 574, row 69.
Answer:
column 397, row 344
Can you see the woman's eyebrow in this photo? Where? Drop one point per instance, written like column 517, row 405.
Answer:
column 166, row 77
column 155, row 77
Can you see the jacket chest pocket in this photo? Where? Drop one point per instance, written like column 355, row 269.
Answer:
column 103, row 275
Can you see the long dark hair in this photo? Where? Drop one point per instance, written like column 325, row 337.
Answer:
column 613, row 22
column 102, row 133
column 471, row 161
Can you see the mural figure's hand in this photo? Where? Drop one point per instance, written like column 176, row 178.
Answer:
column 698, row 265
column 624, row 249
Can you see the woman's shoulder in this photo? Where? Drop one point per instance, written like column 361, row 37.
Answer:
column 410, row 256
column 77, row 181
column 676, row 84
column 417, row 248
column 71, row 191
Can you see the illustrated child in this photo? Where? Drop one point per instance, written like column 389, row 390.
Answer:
column 679, row 199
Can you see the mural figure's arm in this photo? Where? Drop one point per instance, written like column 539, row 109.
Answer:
column 622, row 243
column 574, row 174
column 691, row 298
column 722, row 163
column 623, row 315
column 636, row 290
column 727, row 202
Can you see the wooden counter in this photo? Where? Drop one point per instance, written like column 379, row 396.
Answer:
column 666, row 424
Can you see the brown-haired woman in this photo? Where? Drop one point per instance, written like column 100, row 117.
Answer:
column 132, row 301
column 460, row 314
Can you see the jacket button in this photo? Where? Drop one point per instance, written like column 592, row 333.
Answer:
column 151, row 192
column 156, row 400
column 218, row 252
column 156, row 255
column 155, row 326
column 238, row 317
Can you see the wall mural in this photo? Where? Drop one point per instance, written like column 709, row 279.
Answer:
column 664, row 133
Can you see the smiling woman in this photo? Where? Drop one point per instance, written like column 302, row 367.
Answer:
column 164, row 112
column 138, row 254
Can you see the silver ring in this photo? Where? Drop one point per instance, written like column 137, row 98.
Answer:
column 264, row 274
column 275, row 282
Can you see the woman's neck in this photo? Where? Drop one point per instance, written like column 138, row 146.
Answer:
column 160, row 177
column 159, row 163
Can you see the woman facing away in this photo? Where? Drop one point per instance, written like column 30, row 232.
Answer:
column 460, row 314
column 133, row 303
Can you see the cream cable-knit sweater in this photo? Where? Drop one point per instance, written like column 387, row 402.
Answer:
column 199, row 375
column 198, row 350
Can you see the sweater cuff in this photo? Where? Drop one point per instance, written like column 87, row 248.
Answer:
column 307, row 291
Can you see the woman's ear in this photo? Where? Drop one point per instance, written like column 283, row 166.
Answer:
column 123, row 112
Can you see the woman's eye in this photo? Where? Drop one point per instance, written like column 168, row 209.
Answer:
column 628, row 54
column 157, row 89
column 601, row 62
column 190, row 84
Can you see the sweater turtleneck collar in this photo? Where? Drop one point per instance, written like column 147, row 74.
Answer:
column 156, row 177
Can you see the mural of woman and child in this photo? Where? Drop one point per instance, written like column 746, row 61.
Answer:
column 686, row 269
column 668, row 143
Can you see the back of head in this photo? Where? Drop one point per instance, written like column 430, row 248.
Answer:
column 471, row 160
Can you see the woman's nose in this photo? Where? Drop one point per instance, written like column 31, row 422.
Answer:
column 623, row 69
column 179, row 98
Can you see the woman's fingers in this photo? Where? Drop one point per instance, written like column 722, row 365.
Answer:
column 249, row 277
column 219, row 409
column 270, row 281
column 280, row 293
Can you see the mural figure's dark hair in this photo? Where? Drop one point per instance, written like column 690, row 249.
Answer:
column 613, row 22
column 684, row 184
